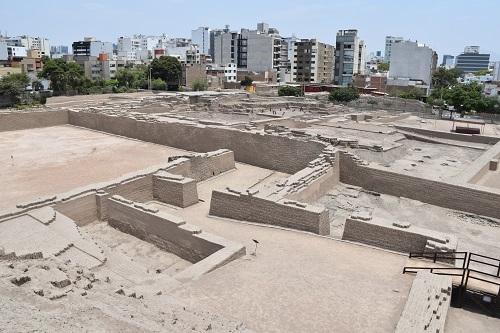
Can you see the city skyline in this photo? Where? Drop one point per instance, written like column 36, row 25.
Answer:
column 443, row 27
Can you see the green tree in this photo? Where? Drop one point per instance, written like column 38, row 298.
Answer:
column 199, row 85
column 482, row 72
column 443, row 78
column 412, row 93
column 247, row 81
column 168, row 69
column 468, row 97
column 64, row 76
column 383, row 67
column 158, row 84
column 290, row 91
column 13, row 86
column 132, row 78
column 344, row 94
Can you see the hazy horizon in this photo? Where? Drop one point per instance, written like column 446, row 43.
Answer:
column 445, row 26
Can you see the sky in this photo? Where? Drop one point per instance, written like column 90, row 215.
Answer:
column 444, row 25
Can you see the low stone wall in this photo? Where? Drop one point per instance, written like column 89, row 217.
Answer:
column 314, row 181
column 267, row 151
column 427, row 305
column 399, row 237
column 249, row 206
column 171, row 233
column 175, row 190
column 13, row 121
column 91, row 205
column 470, row 198
column 479, row 167
column 205, row 165
column 88, row 203
column 81, row 208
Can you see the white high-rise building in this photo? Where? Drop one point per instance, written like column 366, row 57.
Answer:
column 137, row 47
column 31, row 43
column 496, row 71
column 389, row 42
column 412, row 65
column 350, row 53
column 413, row 61
column 201, row 37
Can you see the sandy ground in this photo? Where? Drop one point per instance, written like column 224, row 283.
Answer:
column 132, row 258
column 490, row 179
column 421, row 159
column 363, row 136
column 462, row 321
column 444, row 125
column 46, row 161
column 474, row 233
column 93, row 302
column 297, row 282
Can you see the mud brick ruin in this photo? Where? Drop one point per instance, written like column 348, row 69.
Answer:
column 230, row 212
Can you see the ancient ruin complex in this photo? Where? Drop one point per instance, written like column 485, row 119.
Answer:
column 230, row 212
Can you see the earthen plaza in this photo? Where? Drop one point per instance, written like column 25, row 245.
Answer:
column 235, row 212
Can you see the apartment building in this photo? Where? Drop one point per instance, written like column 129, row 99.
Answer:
column 58, row 51
column 90, row 47
column 349, row 57
column 412, row 64
column 389, row 42
column 227, row 47
column 313, row 61
column 100, row 67
column 253, row 50
column 201, row 38
column 31, row 43
column 217, row 75
column 32, row 64
column 448, row 61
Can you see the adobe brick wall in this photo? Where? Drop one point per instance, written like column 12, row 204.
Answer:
column 171, row 233
column 175, row 190
column 427, row 305
column 13, row 121
column 206, row 165
column 386, row 236
column 82, row 209
column 318, row 178
column 473, row 199
column 285, row 213
column 479, row 167
column 168, row 232
column 267, row 151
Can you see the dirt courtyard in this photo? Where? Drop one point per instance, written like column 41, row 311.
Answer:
column 325, row 284
column 46, row 161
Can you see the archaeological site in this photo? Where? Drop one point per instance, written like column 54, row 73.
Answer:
column 237, row 212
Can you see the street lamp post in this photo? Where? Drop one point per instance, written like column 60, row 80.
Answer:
column 149, row 80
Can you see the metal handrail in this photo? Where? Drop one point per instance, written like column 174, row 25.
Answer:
column 483, row 256
column 407, row 269
column 467, row 258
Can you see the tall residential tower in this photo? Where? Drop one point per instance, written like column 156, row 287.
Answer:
column 349, row 56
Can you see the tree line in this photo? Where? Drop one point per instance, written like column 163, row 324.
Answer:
column 463, row 97
column 68, row 77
